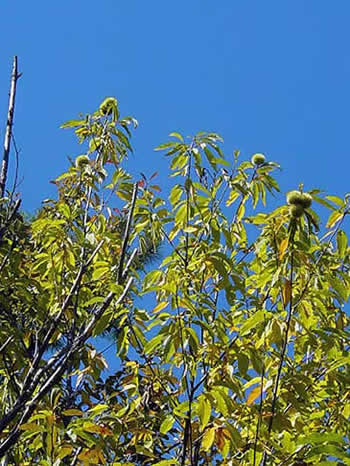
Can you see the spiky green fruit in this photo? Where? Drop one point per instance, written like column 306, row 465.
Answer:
column 296, row 210
column 107, row 106
column 258, row 159
column 81, row 161
column 295, row 197
column 306, row 200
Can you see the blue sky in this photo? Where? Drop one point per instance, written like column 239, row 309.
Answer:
column 270, row 77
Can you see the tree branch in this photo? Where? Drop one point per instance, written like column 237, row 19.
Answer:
column 30, row 406
column 127, row 234
column 9, row 124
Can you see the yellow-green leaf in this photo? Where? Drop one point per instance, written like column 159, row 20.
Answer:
column 167, row 424
column 342, row 242
column 73, row 412
column 252, row 322
column 160, row 306
column 31, row 426
column 98, row 408
column 334, row 218
column 208, row 438
column 64, row 451
column 204, row 411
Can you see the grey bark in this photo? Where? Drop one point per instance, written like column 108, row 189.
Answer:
column 9, row 124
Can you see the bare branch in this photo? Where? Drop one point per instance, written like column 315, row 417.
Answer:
column 9, row 124
column 3, row 347
column 128, row 264
column 127, row 234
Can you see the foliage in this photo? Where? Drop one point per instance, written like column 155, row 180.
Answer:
column 239, row 352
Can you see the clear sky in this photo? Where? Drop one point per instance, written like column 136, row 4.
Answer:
column 270, row 77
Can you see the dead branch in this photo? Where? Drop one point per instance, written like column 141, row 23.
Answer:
column 7, row 143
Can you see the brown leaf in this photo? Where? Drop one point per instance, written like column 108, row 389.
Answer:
column 287, row 292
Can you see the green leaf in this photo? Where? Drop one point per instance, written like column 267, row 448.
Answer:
column 232, row 197
column 316, row 438
column 334, row 218
column 73, row 412
column 177, row 135
column 243, row 363
column 73, row 123
column 211, row 158
column 181, row 215
column 331, row 450
column 336, row 200
column 208, row 438
column 323, row 202
column 222, row 405
column 194, row 343
column 32, row 427
column 99, row 408
column 175, row 194
column 345, row 361
column 342, row 243
column 167, row 424
column 102, row 323
column 99, row 272
column 218, row 264
column 240, row 212
column 166, row 145
column 179, row 161
column 166, row 463
column 252, row 322
column 204, row 411
column 64, row 451
column 154, row 343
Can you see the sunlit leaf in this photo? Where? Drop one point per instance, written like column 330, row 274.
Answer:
column 208, row 438
column 283, row 247
column 204, row 411
column 167, row 424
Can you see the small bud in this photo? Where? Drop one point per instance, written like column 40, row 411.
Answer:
column 258, row 159
column 81, row 161
column 107, row 106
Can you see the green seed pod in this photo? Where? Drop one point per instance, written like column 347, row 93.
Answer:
column 81, row 161
column 296, row 210
column 107, row 106
column 306, row 200
column 295, row 197
column 258, row 159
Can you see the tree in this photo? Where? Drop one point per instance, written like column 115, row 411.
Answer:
column 239, row 354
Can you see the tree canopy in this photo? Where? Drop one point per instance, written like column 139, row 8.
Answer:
column 231, row 347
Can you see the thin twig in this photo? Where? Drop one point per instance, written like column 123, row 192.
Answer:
column 3, row 347
column 10, row 218
column 15, row 178
column 221, row 357
column 128, row 264
column 127, row 234
column 261, row 401
column 9, row 252
column 283, row 352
